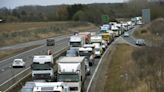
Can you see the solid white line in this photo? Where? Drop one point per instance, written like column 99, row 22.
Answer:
column 100, row 61
column 25, row 70
column 26, row 52
column 14, row 76
column 20, row 54
column 17, row 82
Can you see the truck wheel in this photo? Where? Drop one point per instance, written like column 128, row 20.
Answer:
column 90, row 63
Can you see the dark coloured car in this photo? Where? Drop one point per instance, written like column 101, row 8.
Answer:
column 50, row 42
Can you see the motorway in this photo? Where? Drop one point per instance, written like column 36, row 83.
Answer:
column 89, row 83
column 7, row 72
column 32, row 43
column 37, row 42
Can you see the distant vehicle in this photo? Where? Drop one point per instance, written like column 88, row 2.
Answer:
column 126, row 34
column 50, row 42
column 76, row 42
column 72, row 53
column 18, row 63
column 98, row 50
column 140, row 42
column 139, row 22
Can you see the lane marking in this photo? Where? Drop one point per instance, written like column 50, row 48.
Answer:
column 100, row 61
column 26, row 52
column 90, row 82
column 26, row 69
column 29, row 73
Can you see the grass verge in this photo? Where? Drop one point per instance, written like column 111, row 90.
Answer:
column 152, row 32
column 13, row 33
column 122, row 73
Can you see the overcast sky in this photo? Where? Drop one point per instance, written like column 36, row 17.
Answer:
column 14, row 3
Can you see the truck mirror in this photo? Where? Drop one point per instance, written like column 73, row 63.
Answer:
column 31, row 66
column 81, row 78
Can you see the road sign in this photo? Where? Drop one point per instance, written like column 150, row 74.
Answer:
column 105, row 18
column 146, row 16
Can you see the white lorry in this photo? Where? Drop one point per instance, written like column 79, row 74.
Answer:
column 97, row 42
column 76, row 41
column 42, row 68
column 116, row 30
column 72, row 71
column 104, row 45
column 96, row 39
column 45, row 87
column 98, row 49
column 88, row 53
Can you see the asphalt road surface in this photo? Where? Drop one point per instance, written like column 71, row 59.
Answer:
column 37, row 42
column 31, row 43
column 6, row 71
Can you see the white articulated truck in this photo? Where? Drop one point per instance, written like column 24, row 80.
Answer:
column 42, row 68
column 45, row 87
column 72, row 71
column 76, row 41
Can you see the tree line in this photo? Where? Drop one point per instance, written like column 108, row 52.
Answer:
column 81, row 12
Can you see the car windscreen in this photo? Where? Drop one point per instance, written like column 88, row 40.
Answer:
column 41, row 67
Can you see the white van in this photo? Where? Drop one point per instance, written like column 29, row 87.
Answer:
column 98, row 49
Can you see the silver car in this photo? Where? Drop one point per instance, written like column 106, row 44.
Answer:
column 18, row 63
column 140, row 42
column 126, row 34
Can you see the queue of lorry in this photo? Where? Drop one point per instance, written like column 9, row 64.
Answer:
column 68, row 73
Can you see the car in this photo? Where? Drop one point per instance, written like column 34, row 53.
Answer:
column 50, row 42
column 140, row 42
column 126, row 34
column 72, row 53
column 18, row 63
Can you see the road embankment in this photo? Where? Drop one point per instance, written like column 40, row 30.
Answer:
column 130, row 69
column 153, row 32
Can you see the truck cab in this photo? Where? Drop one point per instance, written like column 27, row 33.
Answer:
column 104, row 45
column 72, row 71
column 98, row 49
column 88, row 53
column 76, row 41
column 42, row 68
